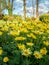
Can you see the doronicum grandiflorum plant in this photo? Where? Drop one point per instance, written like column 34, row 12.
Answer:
column 24, row 43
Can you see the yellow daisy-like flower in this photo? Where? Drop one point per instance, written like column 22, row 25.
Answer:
column 1, row 51
column 46, row 43
column 0, row 47
column 5, row 59
column 30, row 44
column 48, row 31
column 1, row 33
column 26, row 52
column 20, row 38
column 21, row 46
column 31, row 35
column 5, row 28
column 43, row 51
column 23, row 30
column 14, row 33
column 37, row 55
column 10, row 25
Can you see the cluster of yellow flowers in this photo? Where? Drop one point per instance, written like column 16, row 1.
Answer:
column 46, row 43
column 24, row 30
column 26, row 27
column 42, row 52
column 26, row 52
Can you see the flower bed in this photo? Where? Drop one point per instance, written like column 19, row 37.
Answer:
column 24, row 43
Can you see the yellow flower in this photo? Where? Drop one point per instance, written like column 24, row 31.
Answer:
column 15, row 27
column 20, row 38
column 38, row 32
column 5, row 59
column 5, row 28
column 21, row 46
column 1, row 33
column 46, row 43
column 11, row 25
column 30, row 44
column 26, row 52
column 6, row 17
column 0, row 47
column 43, row 51
column 37, row 55
column 14, row 33
column 48, row 31
column 23, row 30
column 1, row 51
column 31, row 35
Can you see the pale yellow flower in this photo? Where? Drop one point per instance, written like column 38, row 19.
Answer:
column 1, row 51
column 14, row 33
column 1, row 33
column 31, row 35
column 46, row 43
column 0, row 47
column 43, row 51
column 30, row 44
column 5, row 59
column 26, row 52
column 11, row 24
column 37, row 55
column 47, row 31
column 21, row 46
column 23, row 30
column 20, row 38
column 5, row 28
